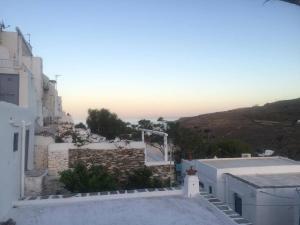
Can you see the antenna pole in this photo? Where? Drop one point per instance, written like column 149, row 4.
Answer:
column 2, row 26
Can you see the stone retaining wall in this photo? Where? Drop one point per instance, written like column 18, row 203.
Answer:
column 120, row 161
column 164, row 172
column 57, row 161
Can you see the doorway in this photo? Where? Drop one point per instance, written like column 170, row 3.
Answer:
column 26, row 149
column 238, row 204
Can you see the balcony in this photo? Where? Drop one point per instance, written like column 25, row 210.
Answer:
column 8, row 63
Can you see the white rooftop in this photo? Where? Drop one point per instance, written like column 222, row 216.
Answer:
column 99, row 146
column 223, row 163
column 272, row 180
column 167, row 210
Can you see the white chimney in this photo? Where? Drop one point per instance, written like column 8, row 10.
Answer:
column 191, row 183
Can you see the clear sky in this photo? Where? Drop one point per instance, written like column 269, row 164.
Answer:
column 170, row 58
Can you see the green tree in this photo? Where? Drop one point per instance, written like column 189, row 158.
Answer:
column 160, row 119
column 105, row 123
column 231, row 148
column 145, row 124
column 200, row 145
column 80, row 125
column 143, row 178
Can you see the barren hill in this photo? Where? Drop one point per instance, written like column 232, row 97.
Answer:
column 272, row 126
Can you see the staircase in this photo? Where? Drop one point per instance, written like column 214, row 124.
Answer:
column 224, row 209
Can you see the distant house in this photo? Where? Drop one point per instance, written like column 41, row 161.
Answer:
column 262, row 189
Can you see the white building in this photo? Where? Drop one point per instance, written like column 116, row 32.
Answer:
column 22, row 110
column 16, row 138
column 262, row 190
column 150, row 206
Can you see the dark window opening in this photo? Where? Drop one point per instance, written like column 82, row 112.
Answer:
column 9, row 88
column 210, row 189
column 201, row 184
column 16, row 142
column 238, row 204
column 26, row 149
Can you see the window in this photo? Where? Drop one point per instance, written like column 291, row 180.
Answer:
column 210, row 190
column 16, row 142
column 9, row 88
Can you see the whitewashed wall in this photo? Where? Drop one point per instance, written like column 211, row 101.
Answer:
column 280, row 206
column 263, row 206
column 246, row 192
column 10, row 161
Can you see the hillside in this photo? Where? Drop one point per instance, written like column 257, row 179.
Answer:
column 272, row 126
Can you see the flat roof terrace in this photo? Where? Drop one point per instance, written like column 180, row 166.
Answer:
column 283, row 180
column 248, row 162
column 166, row 210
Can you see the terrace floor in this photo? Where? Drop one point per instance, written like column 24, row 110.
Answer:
column 166, row 210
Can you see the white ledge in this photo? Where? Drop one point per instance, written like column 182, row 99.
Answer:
column 159, row 163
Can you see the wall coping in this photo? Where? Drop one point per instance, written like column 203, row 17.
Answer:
column 98, row 146
column 98, row 196
column 159, row 163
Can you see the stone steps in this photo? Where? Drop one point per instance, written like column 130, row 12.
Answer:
column 224, row 208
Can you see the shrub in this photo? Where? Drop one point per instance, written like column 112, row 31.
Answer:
column 97, row 178
column 80, row 125
column 143, row 178
column 83, row 179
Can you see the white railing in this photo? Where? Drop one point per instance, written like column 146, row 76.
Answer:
column 8, row 63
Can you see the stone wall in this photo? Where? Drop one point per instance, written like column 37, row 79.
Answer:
column 121, row 161
column 57, row 161
column 164, row 172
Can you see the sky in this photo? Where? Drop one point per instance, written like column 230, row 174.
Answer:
column 170, row 58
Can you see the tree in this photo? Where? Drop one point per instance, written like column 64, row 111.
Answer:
column 80, row 125
column 145, row 124
column 199, row 145
column 160, row 119
column 105, row 123
column 231, row 148
column 143, row 178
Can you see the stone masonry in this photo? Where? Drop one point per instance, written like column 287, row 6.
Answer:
column 164, row 172
column 41, row 152
column 120, row 161
column 57, row 162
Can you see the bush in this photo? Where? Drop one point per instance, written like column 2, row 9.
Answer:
column 80, row 125
column 83, row 179
column 143, row 178
column 97, row 178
